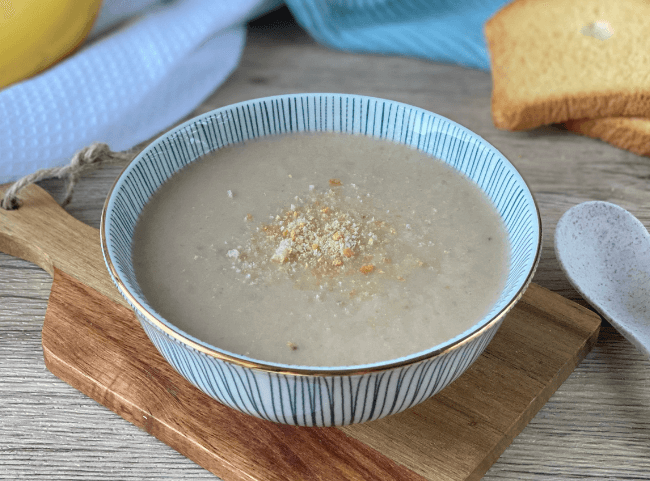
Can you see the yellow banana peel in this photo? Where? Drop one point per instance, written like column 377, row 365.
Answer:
column 35, row 34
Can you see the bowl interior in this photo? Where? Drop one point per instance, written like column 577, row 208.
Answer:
column 428, row 132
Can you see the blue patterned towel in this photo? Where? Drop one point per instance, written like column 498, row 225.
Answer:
column 441, row 30
column 126, row 87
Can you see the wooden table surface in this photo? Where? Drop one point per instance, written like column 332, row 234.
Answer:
column 596, row 426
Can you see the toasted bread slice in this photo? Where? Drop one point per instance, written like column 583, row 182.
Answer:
column 557, row 60
column 629, row 133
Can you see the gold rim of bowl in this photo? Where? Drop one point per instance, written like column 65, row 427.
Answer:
column 306, row 370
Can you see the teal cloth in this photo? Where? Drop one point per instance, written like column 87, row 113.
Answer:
column 441, row 30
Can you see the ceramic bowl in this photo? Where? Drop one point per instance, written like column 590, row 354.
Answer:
column 321, row 396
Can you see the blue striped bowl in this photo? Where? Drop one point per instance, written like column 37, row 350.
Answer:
column 304, row 395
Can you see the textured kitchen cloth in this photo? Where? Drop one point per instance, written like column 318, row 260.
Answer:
column 126, row 86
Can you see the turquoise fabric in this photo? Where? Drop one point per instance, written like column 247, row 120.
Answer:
column 440, row 30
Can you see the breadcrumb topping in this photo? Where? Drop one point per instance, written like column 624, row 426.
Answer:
column 325, row 241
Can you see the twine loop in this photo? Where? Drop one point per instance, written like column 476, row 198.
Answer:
column 85, row 160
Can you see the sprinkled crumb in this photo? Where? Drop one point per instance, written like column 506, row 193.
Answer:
column 367, row 269
column 324, row 243
column 292, row 346
column 335, row 182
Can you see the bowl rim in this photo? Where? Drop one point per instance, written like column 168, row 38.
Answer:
column 298, row 370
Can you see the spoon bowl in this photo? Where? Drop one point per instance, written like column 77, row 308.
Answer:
column 605, row 253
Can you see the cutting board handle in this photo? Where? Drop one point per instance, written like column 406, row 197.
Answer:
column 42, row 232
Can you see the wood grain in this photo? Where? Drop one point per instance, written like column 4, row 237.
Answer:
column 97, row 346
column 40, row 231
column 595, row 426
column 80, row 348
column 465, row 428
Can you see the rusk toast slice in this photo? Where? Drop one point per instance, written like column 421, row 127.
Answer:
column 557, row 60
column 629, row 133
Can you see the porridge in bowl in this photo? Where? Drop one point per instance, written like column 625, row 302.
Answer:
column 293, row 333
column 320, row 249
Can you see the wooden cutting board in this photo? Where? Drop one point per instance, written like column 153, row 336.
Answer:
column 92, row 340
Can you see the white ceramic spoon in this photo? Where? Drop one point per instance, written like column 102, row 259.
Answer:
column 605, row 252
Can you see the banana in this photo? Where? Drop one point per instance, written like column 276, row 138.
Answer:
column 35, row 34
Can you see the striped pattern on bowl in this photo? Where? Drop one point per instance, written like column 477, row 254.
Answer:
column 305, row 400
column 321, row 396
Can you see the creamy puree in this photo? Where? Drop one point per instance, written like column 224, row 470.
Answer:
column 320, row 250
